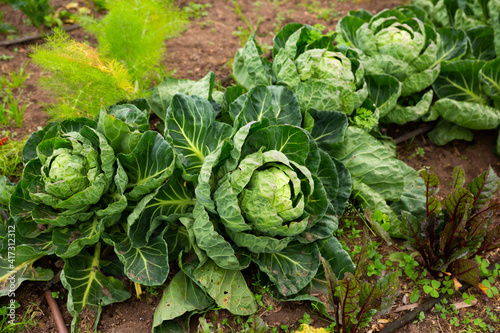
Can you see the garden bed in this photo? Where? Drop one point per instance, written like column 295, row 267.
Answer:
column 209, row 44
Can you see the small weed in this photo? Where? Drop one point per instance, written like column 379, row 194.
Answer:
column 15, row 79
column 454, row 321
column 11, row 154
column 285, row 328
column 407, row 262
column 420, row 317
column 419, row 151
column 244, row 32
column 433, row 288
column 487, row 286
column 258, row 299
column 306, row 319
column 195, row 10
column 26, row 322
column 14, row 107
column 448, row 286
column 415, row 295
column 153, row 291
column 5, row 57
column 325, row 13
column 468, row 298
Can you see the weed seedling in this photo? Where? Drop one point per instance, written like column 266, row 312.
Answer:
column 420, row 317
column 11, row 153
column 468, row 298
column 5, row 57
column 447, row 286
column 419, row 151
column 433, row 288
column 306, row 319
column 25, row 323
column 195, row 10
column 488, row 288
column 407, row 262
column 415, row 295
column 454, row 321
column 245, row 32
column 18, row 78
column 14, row 107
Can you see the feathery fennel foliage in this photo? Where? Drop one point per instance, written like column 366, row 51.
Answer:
column 80, row 78
column 133, row 32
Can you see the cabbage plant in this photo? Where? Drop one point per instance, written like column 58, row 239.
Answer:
column 319, row 77
column 460, row 14
column 81, row 184
column 469, row 99
column 305, row 60
column 397, row 42
column 267, row 196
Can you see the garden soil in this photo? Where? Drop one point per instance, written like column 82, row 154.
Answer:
column 208, row 44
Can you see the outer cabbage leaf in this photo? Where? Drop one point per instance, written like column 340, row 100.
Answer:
column 384, row 90
column 193, row 132
column 249, row 67
column 377, row 183
column 14, row 269
column 403, row 114
column 276, row 103
column 453, row 44
column 70, row 240
column 489, row 76
column 88, row 287
column 148, row 165
column 163, row 93
column 445, row 132
column 147, row 265
column 227, row 287
column 480, row 39
column 292, row 268
column 370, row 163
column 417, row 82
column 468, row 114
column 168, row 202
column 459, row 80
column 181, row 296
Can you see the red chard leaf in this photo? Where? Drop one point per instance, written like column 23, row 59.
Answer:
column 348, row 292
column 458, row 177
column 453, row 232
column 483, row 188
column 432, row 188
column 491, row 240
column 456, row 202
column 466, row 270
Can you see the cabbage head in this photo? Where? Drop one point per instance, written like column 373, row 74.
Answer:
column 398, row 42
column 306, row 61
column 68, row 169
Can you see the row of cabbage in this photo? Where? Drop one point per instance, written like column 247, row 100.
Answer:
column 258, row 175
column 434, row 60
column 230, row 180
